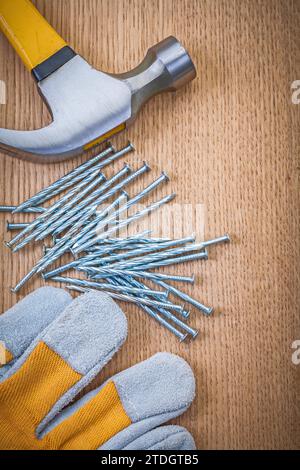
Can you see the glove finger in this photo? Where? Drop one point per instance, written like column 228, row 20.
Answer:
column 63, row 360
column 164, row 438
column 152, row 392
column 24, row 321
column 128, row 405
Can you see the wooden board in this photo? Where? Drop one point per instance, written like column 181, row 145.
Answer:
column 230, row 142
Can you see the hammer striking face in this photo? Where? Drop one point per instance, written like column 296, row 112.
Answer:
column 87, row 106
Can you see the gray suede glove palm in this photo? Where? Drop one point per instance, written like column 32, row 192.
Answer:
column 54, row 347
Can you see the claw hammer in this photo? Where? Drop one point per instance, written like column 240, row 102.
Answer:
column 87, row 106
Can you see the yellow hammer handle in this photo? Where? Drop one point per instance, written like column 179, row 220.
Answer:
column 28, row 32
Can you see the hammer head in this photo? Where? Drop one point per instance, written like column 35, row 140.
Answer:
column 89, row 106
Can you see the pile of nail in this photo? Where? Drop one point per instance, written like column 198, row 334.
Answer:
column 85, row 221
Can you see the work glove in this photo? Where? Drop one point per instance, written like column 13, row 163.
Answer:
column 54, row 347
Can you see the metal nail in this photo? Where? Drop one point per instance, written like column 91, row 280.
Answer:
column 191, row 331
column 142, row 241
column 66, row 242
column 214, row 241
column 84, row 211
column 87, row 232
column 41, row 230
column 160, row 255
column 110, row 272
column 112, row 191
column 118, row 154
column 151, row 312
column 169, row 262
column 126, row 222
column 107, row 194
column 129, row 280
column 108, row 287
column 86, row 173
column 158, row 311
column 51, row 209
column 42, row 195
column 60, row 269
column 177, row 333
column 145, row 192
column 185, row 297
column 65, row 210
column 154, row 253
column 29, row 210
column 106, row 249
column 129, row 298
column 25, row 279
column 19, row 226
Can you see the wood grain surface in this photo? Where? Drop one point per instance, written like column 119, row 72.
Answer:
column 230, row 142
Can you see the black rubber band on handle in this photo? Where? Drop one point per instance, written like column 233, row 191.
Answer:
column 54, row 62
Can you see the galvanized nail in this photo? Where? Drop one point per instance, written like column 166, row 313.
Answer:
column 42, row 195
column 68, row 239
column 108, row 287
column 151, row 187
column 160, row 310
column 159, row 255
column 214, row 241
column 126, row 222
column 155, row 303
column 98, row 197
column 146, row 248
column 65, row 210
column 110, row 272
column 62, row 208
column 48, row 213
column 150, row 311
column 17, row 226
column 83, row 259
column 187, row 298
column 128, row 280
column 177, row 333
column 169, row 262
column 29, row 210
